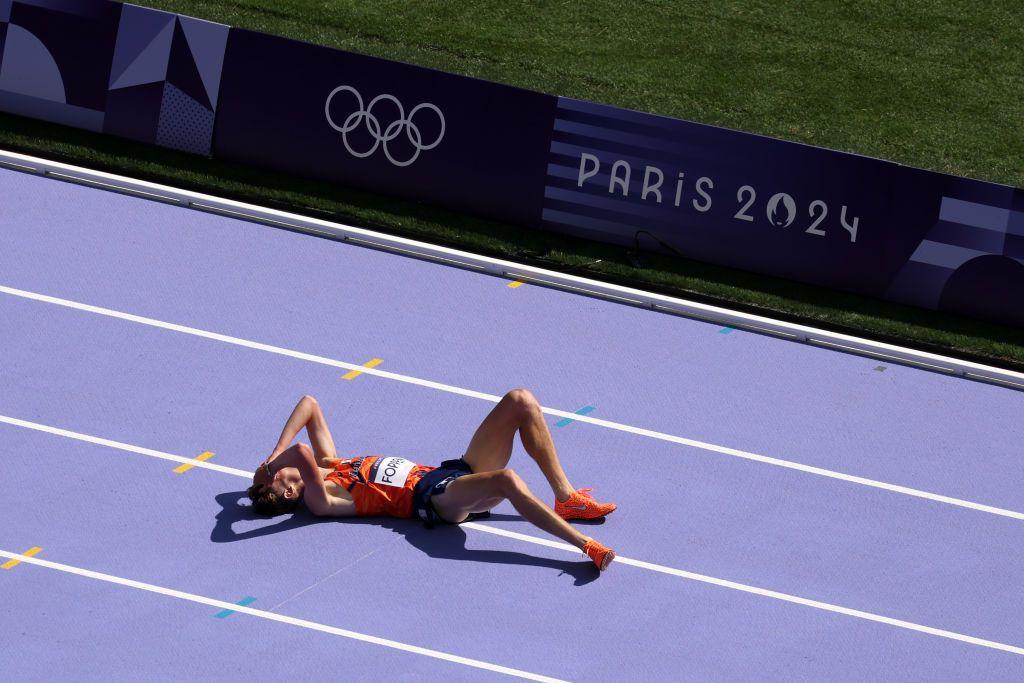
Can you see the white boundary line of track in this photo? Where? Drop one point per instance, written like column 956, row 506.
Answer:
column 619, row 559
column 78, row 436
column 439, row 386
column 511, row 269
column 273, row 616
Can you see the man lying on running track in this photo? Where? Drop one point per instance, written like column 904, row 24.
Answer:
column 453, row 492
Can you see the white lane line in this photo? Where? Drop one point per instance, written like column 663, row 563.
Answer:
column 650, row 433
column 122, row 446
column 672, row 571
column 754, row 590
column 272, row 616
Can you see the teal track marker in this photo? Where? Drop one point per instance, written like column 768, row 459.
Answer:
column 726, row 330
column 568, row 421
column 247, row 600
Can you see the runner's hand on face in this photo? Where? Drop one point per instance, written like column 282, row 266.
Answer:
column 261, row 476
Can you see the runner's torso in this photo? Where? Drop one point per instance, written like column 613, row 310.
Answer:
column 379, row 485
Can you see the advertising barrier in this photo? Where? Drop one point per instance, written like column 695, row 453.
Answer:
column 404, row 130
column 787, row 209
column 805, row 213
column 118, row 68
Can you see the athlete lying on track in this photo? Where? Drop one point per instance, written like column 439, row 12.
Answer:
column 455, row 491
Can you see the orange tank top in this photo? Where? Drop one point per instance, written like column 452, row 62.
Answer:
column 380, row 485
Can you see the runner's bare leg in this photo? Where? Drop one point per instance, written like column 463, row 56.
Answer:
column 491, row 445
column 477, row 492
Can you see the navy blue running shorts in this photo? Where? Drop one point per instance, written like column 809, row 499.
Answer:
column 433, row 483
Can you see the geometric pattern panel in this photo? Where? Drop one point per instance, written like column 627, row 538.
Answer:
column 134, row 112
column 969, row 245
column 122, row 69
column 185, row 124
column 180, row 58
column 55, row 59
column 143, row 48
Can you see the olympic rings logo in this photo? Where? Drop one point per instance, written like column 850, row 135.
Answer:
column 381, row 137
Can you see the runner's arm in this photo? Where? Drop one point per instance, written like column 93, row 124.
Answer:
column 307, row 413
column 301, row 414
column 319, row 502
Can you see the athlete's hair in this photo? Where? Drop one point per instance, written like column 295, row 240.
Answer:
column 266, row 502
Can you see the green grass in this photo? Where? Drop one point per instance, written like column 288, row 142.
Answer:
column 938, row 85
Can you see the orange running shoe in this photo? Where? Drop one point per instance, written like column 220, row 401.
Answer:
column 601, row 556
column 581, row 505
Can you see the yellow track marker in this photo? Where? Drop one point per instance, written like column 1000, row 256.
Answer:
column 11, row 564
column 202, row 457
column 372, row 363
column 516, row 283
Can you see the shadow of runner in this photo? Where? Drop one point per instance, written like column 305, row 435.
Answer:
column 446, row 541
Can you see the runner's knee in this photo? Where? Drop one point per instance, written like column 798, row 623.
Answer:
column 522, row 401
column 304, row 449
column 508, row 483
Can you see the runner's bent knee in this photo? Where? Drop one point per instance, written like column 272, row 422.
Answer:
column 508, row 483
column 521, row 401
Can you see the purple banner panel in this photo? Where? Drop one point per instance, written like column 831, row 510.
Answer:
column 55, row 59
column 786, row 209
column 385, row 126
column 104, row 66
column 165, row 79
column 957, row 245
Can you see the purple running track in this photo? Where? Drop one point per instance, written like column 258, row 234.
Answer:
column 459, row 590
